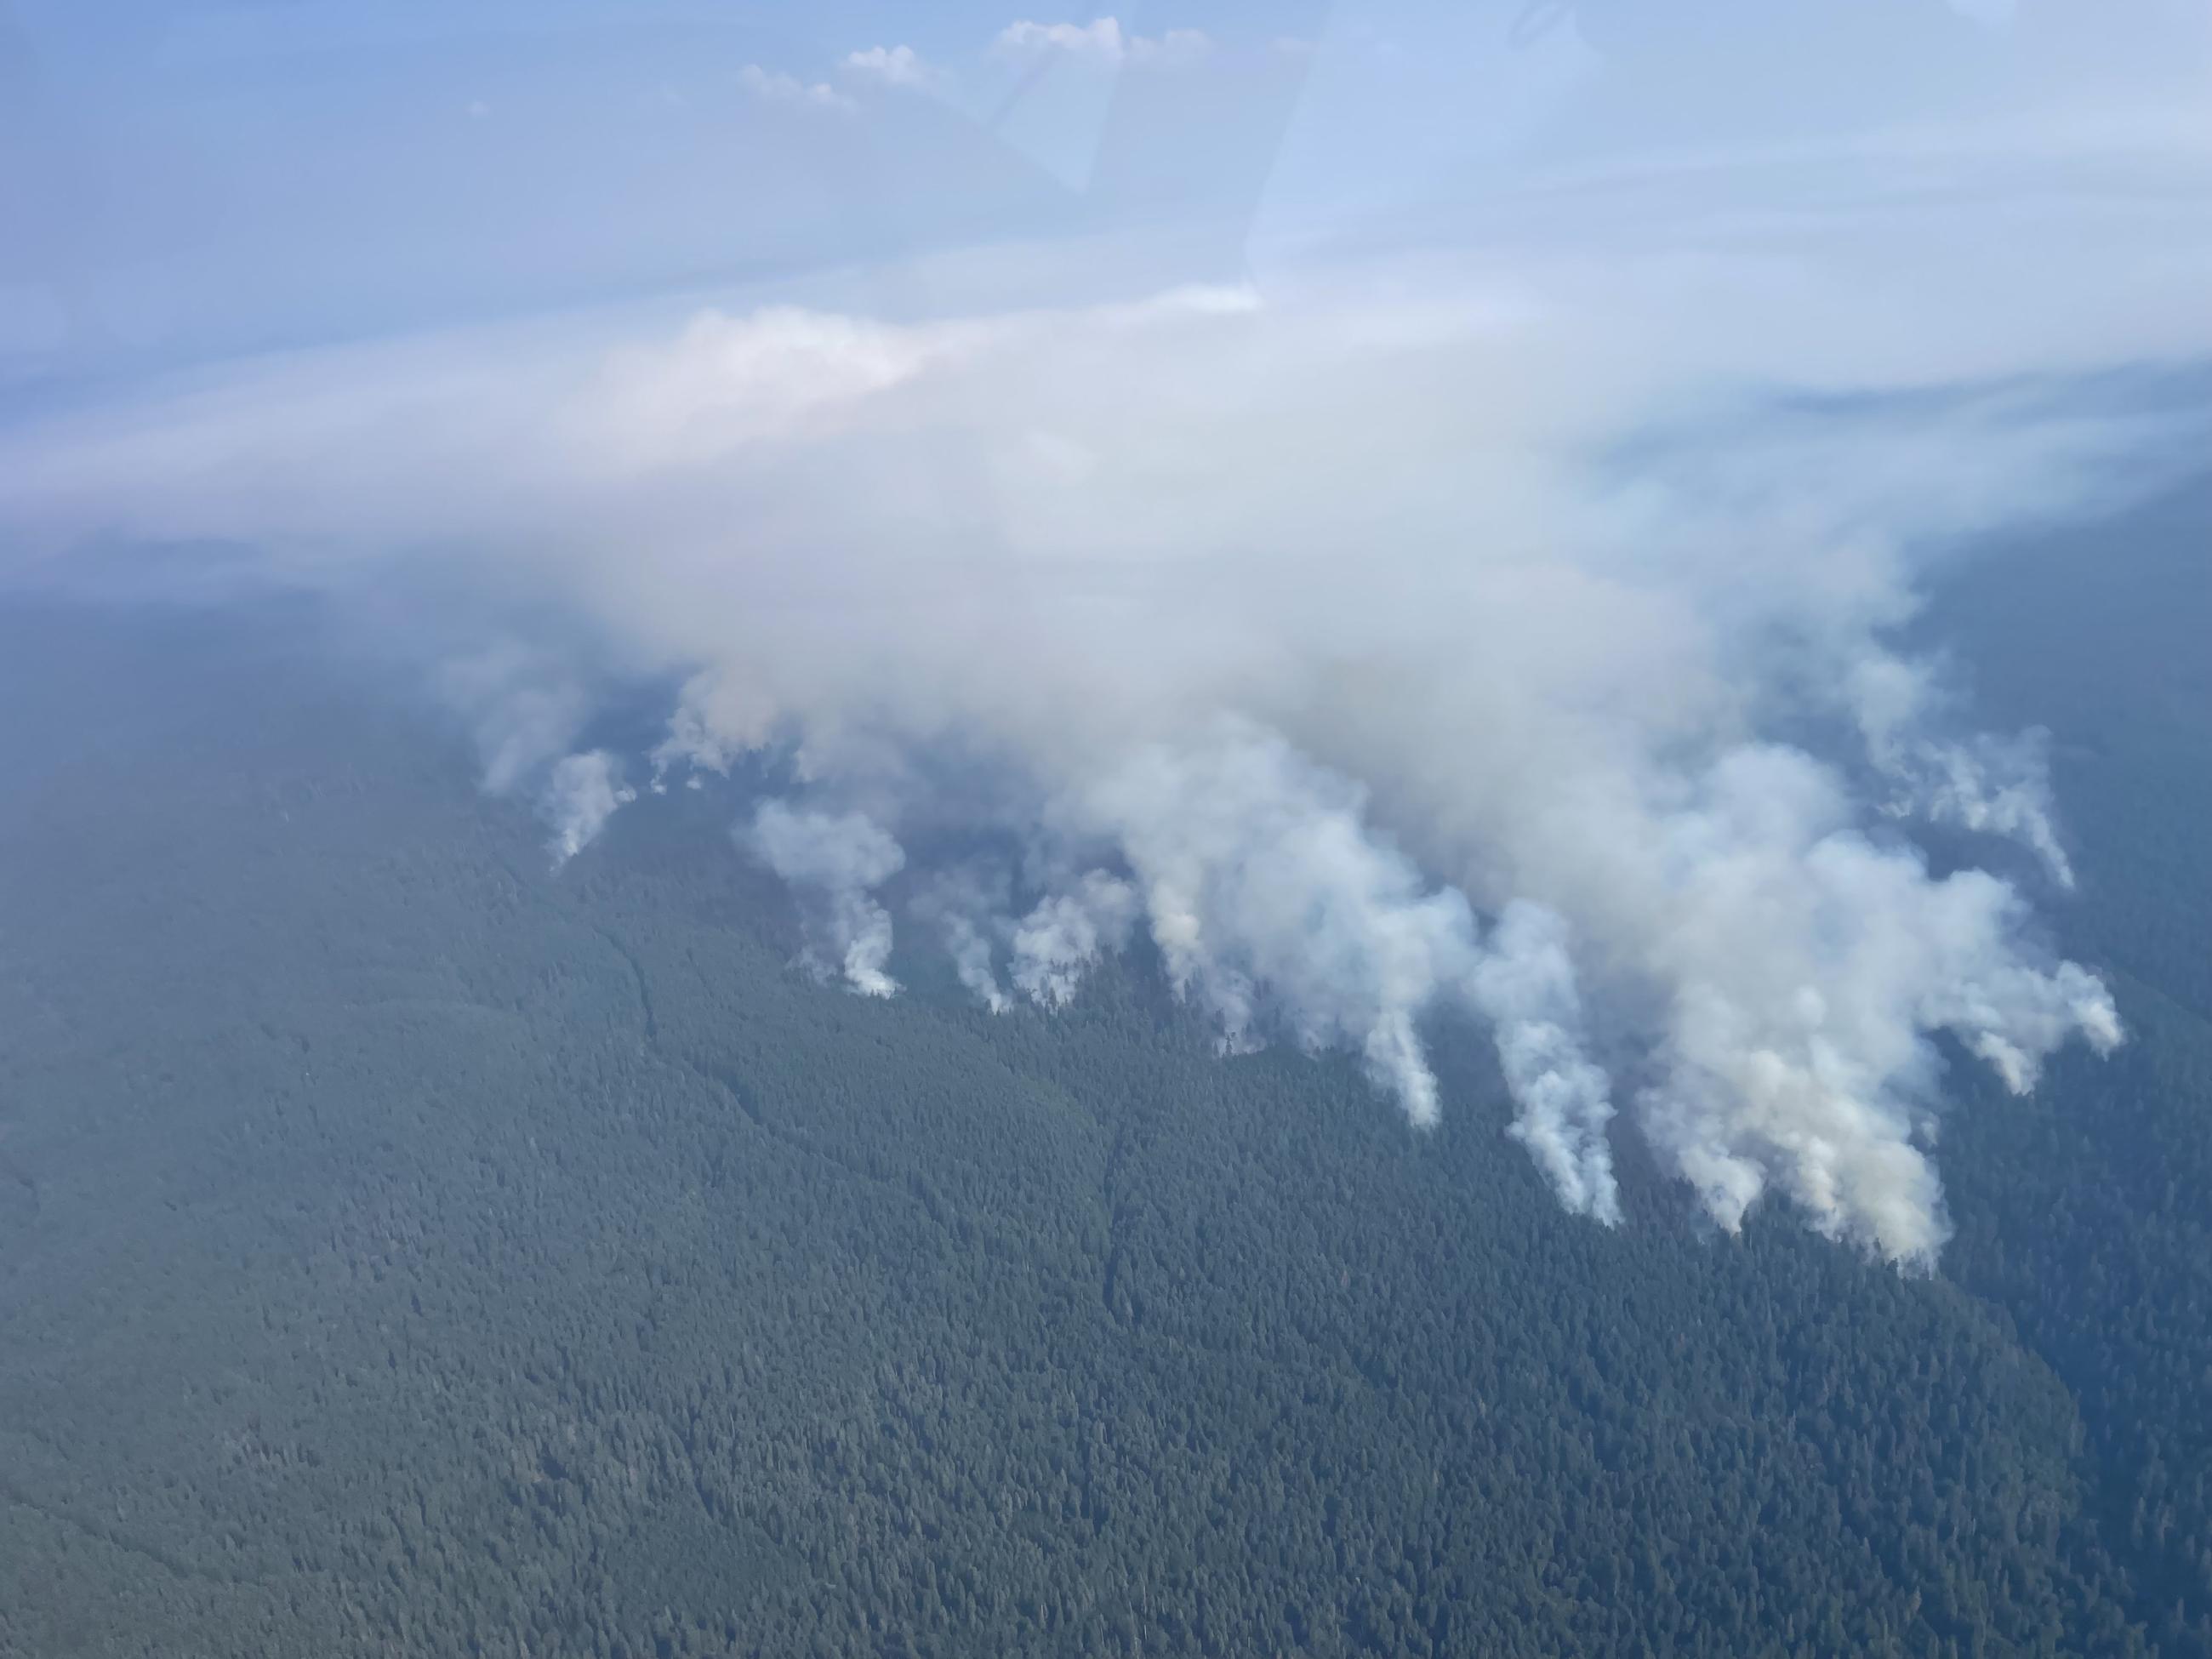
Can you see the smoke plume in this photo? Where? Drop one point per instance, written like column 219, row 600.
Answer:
column 1385, row 632
column 1056, row 943
column 1525, row 985
column 835, row 860
column 584, row 791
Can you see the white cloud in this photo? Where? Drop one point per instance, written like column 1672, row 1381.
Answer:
column 777, row 87
column 1102, row 41
column 892, row 66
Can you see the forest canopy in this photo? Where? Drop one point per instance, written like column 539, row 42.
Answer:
column 407, row 1246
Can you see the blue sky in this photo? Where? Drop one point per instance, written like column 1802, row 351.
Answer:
column 192, row 180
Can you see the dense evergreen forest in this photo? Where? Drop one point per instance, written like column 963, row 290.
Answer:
column 406, row 1249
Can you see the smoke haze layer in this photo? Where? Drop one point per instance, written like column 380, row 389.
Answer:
column 1508, row 626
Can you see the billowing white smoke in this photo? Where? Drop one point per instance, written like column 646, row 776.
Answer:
column 837, row 860
column 1989, row 783
column 522, row 707
column 967, row 910
column 1303, row 626
column 1804, row 967
column 1056, row 943
column 584, row 792
column 969, row 948
column 1525, row 984
column 1265, row 891
column 1274, row 902
column 1049, row 949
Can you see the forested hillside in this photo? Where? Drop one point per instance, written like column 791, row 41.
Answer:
column 2087, row 1210
column 404, row 1248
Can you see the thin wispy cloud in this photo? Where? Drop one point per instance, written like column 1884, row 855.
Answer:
column 778, row 87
